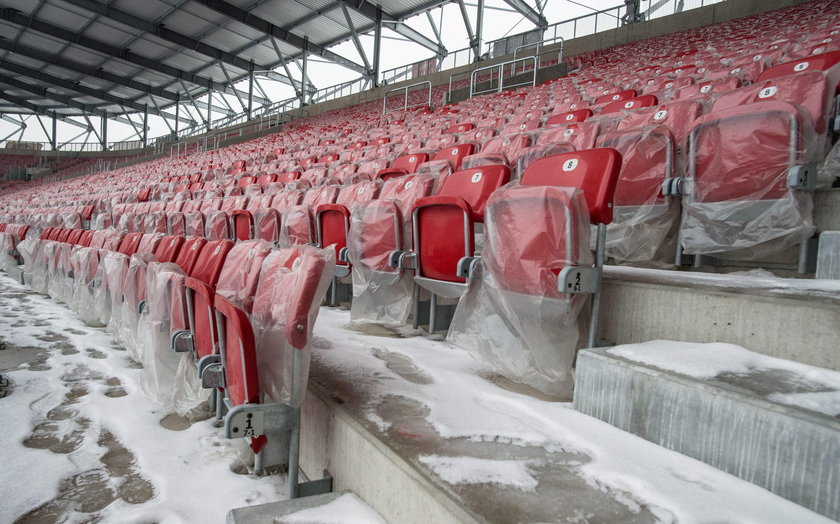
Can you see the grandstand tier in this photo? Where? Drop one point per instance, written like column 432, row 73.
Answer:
column 665, row 197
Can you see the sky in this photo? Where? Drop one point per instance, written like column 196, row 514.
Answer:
column 499, row 21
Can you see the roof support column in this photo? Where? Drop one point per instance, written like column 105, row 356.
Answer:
column 479, row 27
column 104, row 132
column 468, row 27
column 250, row 89
column 177, row 117
column 146, row 127
column 54, row 137
column 209, row 107
column 235, row 91
column 377, row 46
column 197, row 110
column 93, row 129
column 303, row 70
column 633, row 12
column 43, row 127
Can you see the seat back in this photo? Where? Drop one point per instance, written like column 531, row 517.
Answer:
column 728, row 161
column 678, row 116
column 443, row 225
column 168, row 248
column 647, row 159
column 569, row 117
column 532, row 233
column 808, row 89
column 629, row 104
column 617, row 96
column 410, row 162
column 189, row 253
column 594, row 171
column 820, row 62
column 455, row 154
column 128, row 245
column 241, row 272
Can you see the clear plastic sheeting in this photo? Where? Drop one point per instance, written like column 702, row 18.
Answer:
column 829, row 169
column 8, row 243
column 29, row 249
column 84, row 283
column 737, row 201
column 642, row 230
column 40, row 266
column 238, row 281
column 292, row 284
column 60, row 285
column 164, row 312
column 512, row 317
column 108, row 294
column 297, row 227
column 381, row 294
column 133, row 291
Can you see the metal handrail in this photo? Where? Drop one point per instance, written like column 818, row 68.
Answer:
column 543, row 42
column 501, row 67
column 405, row 102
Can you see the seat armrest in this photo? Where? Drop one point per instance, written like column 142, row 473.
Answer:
column 803, row 177
column 579, row 279
column 466, row 267
column 402, row 260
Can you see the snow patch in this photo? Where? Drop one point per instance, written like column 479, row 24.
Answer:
column 471, row 470
column 346, row 509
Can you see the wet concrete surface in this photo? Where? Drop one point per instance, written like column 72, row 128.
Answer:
column 561, row 494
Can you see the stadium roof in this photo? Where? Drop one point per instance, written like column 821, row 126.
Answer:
column 62, row 58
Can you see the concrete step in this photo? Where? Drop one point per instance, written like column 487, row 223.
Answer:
column 317, row 508
column 770, row 422
column 793, row 319
column 424, row 433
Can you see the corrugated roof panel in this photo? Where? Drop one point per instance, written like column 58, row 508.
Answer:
column 147, row 9
column 41, row 42
column 323, row 21
column 83, row 55
column 63, row 15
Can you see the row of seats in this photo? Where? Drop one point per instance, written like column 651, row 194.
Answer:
column 246, row 308
column 704, row 141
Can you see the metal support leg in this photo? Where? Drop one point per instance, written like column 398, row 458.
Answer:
column 294, row 436
column 258, row 463
column 416, row 295
column 294, row 460
column 433, row 314
column 596, row 298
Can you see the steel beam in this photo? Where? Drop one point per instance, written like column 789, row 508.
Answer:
column 78, row 67
column 528, row 12
column 268, row 28
column 164, row 33
column 479, row 23
column 468, row 26
column 377, row 47
column 65, row 84
column 16, row 17
column 395, row 24
column 356, row 42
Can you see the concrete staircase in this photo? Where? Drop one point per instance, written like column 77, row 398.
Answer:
column 771, row 423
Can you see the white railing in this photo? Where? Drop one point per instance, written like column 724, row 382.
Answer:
column 406, row 89
column 501, row 75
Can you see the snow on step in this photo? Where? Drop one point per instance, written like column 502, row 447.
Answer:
column 772, row 422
